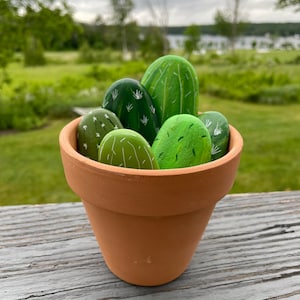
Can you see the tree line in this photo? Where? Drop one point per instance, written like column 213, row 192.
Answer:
column 33, row 26
column 251, row 29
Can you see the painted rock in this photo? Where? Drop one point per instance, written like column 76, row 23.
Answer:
column 183, row 141
column 173, row 85
column 127, row 148
column 218, row 127
column 131, row 102
column 92, row 129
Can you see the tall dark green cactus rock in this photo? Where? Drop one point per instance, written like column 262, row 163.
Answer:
column 126, row 148
column 173, row 85
column 183, row 141
column 218, row 127
column 92, row 129
column 131, row 102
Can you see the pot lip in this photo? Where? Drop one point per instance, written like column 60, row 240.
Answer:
column 67, row 135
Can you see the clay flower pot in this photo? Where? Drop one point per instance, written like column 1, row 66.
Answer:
column 148, row 223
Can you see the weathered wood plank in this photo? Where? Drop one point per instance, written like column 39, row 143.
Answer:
column 250, row 250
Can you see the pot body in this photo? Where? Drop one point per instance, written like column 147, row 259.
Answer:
column 147, row 250
column 148, row 222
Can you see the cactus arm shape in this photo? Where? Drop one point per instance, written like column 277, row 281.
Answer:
column 131, row 102
column 183, row 141
column 218, row 127
column 173, row 85
column 92, row 129
column 126, row 148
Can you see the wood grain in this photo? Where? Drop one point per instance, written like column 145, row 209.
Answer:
column 250, row 250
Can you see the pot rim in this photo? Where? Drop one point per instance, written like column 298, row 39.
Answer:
column 68, row 143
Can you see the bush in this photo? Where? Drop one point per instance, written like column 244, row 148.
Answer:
column 104, row 73
column 295, row 61
column 34, row 52
column 91, row 55
column 86, row 54
column 19, row 116
column 280, row 95
column 262, row 86
column 5, row 116
column 26, row 110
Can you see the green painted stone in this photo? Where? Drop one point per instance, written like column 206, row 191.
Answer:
column 173, row 85
column 92, row 129
column 183, row 141
column 133, row 105
column 218, row 128
column 127, row 148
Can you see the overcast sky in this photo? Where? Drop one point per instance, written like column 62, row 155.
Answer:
column 186, row 12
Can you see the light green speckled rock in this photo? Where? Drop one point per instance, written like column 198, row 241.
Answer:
column 183, row 141
column 127, row 148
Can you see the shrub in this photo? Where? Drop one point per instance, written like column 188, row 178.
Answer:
column 27, row 110
column 100, row 72
column 91, row 55
column 105, row 73
column 280, row 94
column 34, row 52
column 250, row 85
column 86, row 54
column 295, row 61
column 5, row 116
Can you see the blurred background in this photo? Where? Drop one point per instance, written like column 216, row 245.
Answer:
column 58, row 55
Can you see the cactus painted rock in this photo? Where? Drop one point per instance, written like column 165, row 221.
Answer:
column 183, row 141
column 126, row 148
column 218, row 127
column 92, row 129
column 173, row 85
column 131, row 102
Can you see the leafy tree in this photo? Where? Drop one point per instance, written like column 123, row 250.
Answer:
column 95, row 34
column 287, row 3
column 9, row 33
column 133, row 38
column 49, row 21
column 192, row 38
column 160, row 16
column 228, row 23
column 46, row 24
column 121, row 11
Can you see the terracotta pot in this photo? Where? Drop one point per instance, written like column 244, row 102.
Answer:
column 148, row 223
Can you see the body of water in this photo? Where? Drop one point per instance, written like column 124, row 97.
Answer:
column 245, row 42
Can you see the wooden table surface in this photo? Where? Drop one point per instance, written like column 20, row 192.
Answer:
column 250, row 250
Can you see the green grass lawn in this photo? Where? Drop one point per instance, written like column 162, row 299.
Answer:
column 54, row 73
column 270, row 159
column 31, row 170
